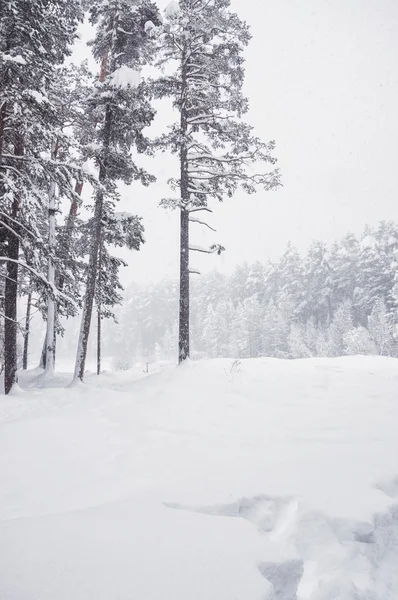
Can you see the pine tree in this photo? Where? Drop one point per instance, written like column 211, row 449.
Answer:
column 372, row 276
column 121, row 110
column 276, row 326
column 317, row 285
column 289, row 278
column 358, row 341
column 380, row 326
column 297, row 344
column 340, row 327
column 344, row 261
column 215, row 146
column 34, row 39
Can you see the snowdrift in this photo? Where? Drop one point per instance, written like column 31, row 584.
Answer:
column 225, row 480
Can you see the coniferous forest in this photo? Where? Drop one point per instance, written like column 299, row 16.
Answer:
column 69, row 136
column 332, row 301
column 198, row 300
column 64, row 129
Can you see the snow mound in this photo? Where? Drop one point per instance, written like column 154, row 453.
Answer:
column 261, row 479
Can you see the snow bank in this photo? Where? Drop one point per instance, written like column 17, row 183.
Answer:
column 220, row 479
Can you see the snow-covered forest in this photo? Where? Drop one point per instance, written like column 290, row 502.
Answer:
column 176, row 424
column 332, row 301
column 63, row 128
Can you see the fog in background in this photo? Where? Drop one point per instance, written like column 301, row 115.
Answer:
column 322, row 81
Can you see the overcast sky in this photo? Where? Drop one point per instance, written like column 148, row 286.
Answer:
column 322, row 80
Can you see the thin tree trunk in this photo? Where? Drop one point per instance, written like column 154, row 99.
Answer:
column 99, row 340
column 99, row 329
column 93, row 258
column 11, row 291
column 50, row 347
column 70, row 222
column 60, row 280
column 27, row 332
column 107, row 66
column 183, row 336
column 90, row 290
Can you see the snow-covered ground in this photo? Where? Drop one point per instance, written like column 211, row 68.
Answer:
column 218, row 480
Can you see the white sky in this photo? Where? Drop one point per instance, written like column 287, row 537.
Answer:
column 322, row 80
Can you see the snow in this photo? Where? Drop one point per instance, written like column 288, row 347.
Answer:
column 218, row 479
column 150, row 27
column 38, row 96
column 368, row 242
column 125, row 76
column 18, row 59
column 172, row 9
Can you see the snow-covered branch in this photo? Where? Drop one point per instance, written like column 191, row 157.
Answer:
column 57, row 293
column 195, row 220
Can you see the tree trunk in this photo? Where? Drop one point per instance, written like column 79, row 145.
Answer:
column 10, row 306
column 99, row 311
column 70, row 222
column 90, row 290
column 27, row 332
column 60, row 279
column 93, row 258
column 99, row 340
column 107, row 65
column 50, row 346
column 183, row 336
column 11, row 290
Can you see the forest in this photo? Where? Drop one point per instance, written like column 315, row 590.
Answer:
column 65, row 129
column 69, row 137
column 332, row 301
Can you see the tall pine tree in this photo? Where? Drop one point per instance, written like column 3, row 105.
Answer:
column 202, row 45
column 121, row 110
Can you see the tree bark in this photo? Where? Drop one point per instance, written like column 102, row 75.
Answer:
column 99, row 320
column 99, row 340
column 27, row 332
column 183, row 335
column 50, row 346
column 10, row 306
column 11, row 290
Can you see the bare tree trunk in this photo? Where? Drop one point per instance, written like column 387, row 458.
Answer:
column 99, row 310
column 107, row 65
column 60, row 279
column 99, row 340
column 11, row 291
column 10, row 306
column 183, row 336
column 90, row 290
column 50, row 346
column 27, row 332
